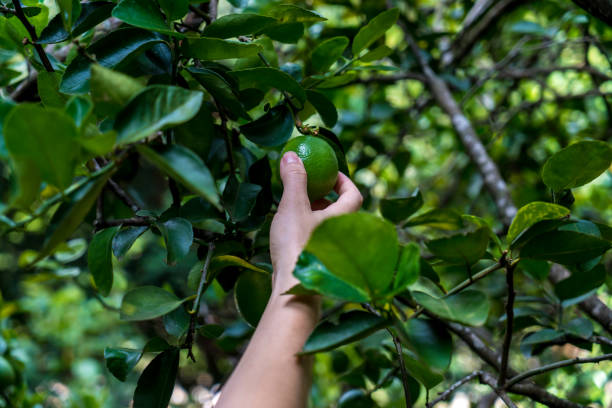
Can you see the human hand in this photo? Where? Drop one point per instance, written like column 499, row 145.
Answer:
column 297, row 217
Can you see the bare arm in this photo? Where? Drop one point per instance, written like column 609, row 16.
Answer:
column 270, row 374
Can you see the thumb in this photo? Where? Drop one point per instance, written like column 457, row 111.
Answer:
column 294, row 178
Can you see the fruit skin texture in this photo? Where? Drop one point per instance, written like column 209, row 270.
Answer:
column 7, row 373
column 319, row 161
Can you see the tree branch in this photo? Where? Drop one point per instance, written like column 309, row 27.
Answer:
column 509, row 326
column 554, row 366
column 447, row 393
column 402, row 364
column 32, row 31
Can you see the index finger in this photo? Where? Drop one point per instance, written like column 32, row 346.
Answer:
column 349, row 199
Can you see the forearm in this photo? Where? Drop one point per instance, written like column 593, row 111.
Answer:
column 270, row 374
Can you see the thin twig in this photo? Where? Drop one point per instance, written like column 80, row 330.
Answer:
column 490, row 381
column 382, row 382
column 123, row 195
column 553, row 366
column 131, row 222
column 503, row 371
column 32, row 31
column 402, row 364
column 444, row 395
column 475, row 278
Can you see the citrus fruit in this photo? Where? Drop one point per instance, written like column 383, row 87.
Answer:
column 7, row 373
column 319, row 161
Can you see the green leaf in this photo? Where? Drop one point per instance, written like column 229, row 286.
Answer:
column 148, row 302
column 144, row 14
column 264, row 78
column 397, row 210
column 273, row 128
column 223, row 261
column 68, row 11
column 251, row 294
column 408, row 268
column 325, row 107
column 211, row 331
column 287, row 33
column 239, row 198
column 184, row 166
column 469, row 307
column 222, row 92
column 351, row 326
column 79, row 108
column 72, row 213
column 99, row 259
column 379, row 52
column 375, row 29
column 54, row 155
column 91, row 15
column 331, row 138
column 210, row 49
column 356, row 399
column 422, row 372
column 125, row 238
column 328, row 52
column 176, row 322
column 367, row 260
column 178, row 236
column 111, row 90
column 156, row 382
column 577, row 164
column 288, row 13
column 337, row 80
column 315, row 276
column 48, row 89
column 156, row 108
column 437, row 218
column 109, row 51
column 465, row 249
column 234, row 25
column 580, row 283
column 565, row 247
column 533, row 342
column 174, row 9
column 121, row 361
column 532, row 213
column 431, row 341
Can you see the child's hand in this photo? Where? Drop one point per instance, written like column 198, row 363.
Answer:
column 296, row 218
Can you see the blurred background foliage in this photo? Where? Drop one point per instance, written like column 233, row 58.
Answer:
column 536, row 80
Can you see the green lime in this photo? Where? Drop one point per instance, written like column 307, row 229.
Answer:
column 7, row 373
column 319, row 161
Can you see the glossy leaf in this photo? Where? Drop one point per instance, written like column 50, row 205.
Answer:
column 375, row 29
column 121, row 361
column 580, row 283
column 577, row 164
column 55, row 156
column 109, row 51
column 143, row 14
column 469, row 307
column 431, row 341
column 211, row 331
column 264, row 78
column 437, row 218
column 273, row 128
column 91, row 15
column 178, row 236
column 288, row 33
column 148, row 302
column 408, row 268
column 565, row 247
column 174, row 9
column 532, row 213
column 156, row 382
column 356, row 399
column 398, row 209
column 234, row 25
column 156, row 108
column 125, row 238
column 316, row 277
column 325, row 107
column 239, row 198
column 288, row 13
column 111, row 90
column 379, row 52
column 328, row 52
column 331, row 138
column 79, row 108
column 211, row 49
column 48, row 89
column 351, row 326
column 465, row 249
column 421, row 371
column 221, row 90
column 99, row 259
column 251, row 293
column 176, row 323
column 367, row 260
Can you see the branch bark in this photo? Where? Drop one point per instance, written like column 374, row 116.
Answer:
column 32, row 31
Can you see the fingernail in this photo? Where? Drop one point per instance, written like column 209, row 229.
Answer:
column 290, row 157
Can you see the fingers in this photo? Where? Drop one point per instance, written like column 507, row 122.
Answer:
column 349, row 199
column 320, row 204
column 293, row 174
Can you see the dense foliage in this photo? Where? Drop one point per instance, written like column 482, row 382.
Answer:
column 139, row 147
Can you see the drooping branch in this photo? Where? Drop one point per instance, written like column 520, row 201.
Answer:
column 554, row 366
column 447, row 393
column 509, row 325
column 489, row 379
column 32, row 31
column 483, row 15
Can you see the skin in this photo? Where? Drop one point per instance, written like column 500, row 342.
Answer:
column 270, row 374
